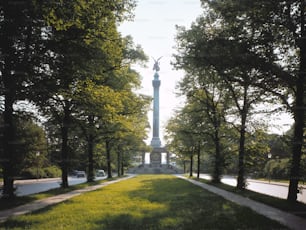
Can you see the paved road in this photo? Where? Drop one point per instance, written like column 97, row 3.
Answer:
column 279, row 190
column 27, row 187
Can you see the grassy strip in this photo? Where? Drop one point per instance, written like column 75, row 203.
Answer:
column 296, row 208
column 17, row 201
column 145, row 202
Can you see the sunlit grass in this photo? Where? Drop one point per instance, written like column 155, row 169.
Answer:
column 145, row 202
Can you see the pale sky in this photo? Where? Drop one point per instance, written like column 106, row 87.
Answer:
column 154, row 29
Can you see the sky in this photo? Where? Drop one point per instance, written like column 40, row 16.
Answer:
column 153, row 28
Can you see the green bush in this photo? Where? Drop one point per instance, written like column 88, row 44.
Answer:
column 33, row 173
column 277, row 169
column 47, row 172
column 52, row 171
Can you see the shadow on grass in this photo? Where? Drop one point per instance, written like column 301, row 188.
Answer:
column 11, row 224
column 183, row 206
column 16, row 201
column 21, row 200
column 296, row 208
column 152, row 202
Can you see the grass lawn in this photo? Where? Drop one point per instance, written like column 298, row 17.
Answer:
column 296, row 208
column 145, row 202
column 17, row 201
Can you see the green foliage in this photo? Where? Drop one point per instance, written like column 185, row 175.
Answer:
column 40, row 172
column 280, row 145
column 32, row 160
column 225, row 89
column 23, row 56
column 277, row 169
column 257, row 150
column 256, row 49
column 93, row 76
column 30, row 140
column 52, row 171
column 269, row 39
column 68, row 58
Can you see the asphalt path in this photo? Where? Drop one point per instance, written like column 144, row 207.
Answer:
column 275, row 189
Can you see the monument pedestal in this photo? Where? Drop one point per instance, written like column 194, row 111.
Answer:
column 155, row 159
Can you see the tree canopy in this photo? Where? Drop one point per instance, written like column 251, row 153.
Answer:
column 68, row 59
column 257, row 48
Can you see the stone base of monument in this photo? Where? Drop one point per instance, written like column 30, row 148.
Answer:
column 155, row 159
column 156, row 166
column 155, row 169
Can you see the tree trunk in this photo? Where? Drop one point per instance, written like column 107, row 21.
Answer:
column 241, row 176
column 299, row 112
column 90, row 148
column 9, row 87
column 191, row 165
column 216, row 175
column 122, row 168
column 90, row 174
column 65, row 148
column 8, row 148
column 199, row 161
column 108, row 159
column 119, row 162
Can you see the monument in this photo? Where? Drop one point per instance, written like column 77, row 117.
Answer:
column 156, row 154
column 155, row 165
column 156, row 143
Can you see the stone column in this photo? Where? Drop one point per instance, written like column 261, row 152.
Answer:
column 156, row 84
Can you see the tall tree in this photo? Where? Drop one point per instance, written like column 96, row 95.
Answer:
column 210, row 102
column 86, row 46
column 22, row 52
column 184, row 134
column 271, row 40
column 103, row 100
column 201, row 53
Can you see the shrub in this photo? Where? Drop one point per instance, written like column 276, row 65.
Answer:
column 52, row 171
column 47, row 172
column 277, row 169
column 33, row 173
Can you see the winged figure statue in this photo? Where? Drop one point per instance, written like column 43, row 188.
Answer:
column 156, row 64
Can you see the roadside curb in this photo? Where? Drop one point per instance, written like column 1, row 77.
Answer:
column 42, row 203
